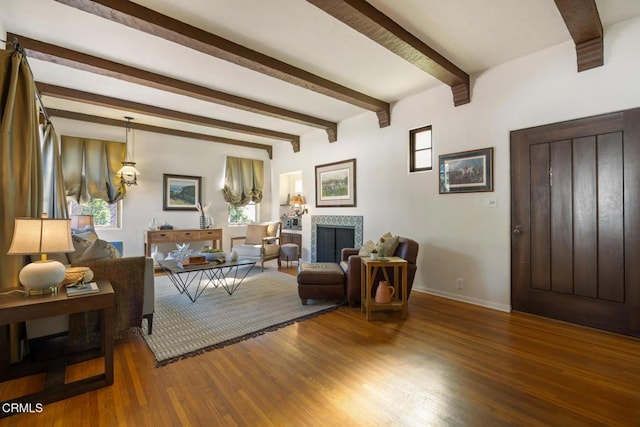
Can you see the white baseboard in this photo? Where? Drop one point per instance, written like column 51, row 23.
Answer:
column 462, row 298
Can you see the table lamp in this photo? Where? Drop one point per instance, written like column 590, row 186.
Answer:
column 41, row 236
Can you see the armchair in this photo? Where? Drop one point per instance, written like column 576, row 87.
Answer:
column 350, row 262
column 262, row 242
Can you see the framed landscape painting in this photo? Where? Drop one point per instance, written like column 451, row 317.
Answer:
column 336, row 184
column 466, row 172
column 181, row 192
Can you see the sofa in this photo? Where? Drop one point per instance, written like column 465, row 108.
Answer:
column 350, row 263
column 132, row 279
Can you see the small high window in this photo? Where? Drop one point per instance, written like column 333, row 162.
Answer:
column 420, row 149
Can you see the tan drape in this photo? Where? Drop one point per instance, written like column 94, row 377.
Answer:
column 54, row 199
column 244, row 181
column 20, row 157
column 90, row 169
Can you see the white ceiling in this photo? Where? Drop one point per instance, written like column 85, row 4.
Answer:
column 473, row 34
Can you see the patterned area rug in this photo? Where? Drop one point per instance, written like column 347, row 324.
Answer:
column 264, row 301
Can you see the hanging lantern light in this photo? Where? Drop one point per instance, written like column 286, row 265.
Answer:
column 128, row 172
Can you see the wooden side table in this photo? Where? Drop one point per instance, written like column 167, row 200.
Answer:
column 17, row 307
column 369, row 271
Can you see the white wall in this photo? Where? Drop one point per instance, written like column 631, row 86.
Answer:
column 157, row 154
column 458, row 236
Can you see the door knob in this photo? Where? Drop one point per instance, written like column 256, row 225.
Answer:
column 517, row 229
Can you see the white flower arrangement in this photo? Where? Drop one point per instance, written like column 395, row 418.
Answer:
column 203, row 208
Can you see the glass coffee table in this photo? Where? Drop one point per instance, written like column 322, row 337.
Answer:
column 195, row 279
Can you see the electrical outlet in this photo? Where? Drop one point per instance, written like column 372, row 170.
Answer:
column 460, row 283
column 490, row 202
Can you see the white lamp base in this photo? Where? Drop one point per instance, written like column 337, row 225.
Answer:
column 42, row 277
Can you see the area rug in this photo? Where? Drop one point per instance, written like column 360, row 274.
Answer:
column 264, row 301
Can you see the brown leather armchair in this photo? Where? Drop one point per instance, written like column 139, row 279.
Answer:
column 350, row 262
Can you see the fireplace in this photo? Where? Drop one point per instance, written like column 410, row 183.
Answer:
column 331, row 233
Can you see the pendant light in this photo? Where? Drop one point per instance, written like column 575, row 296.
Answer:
column 128, row 172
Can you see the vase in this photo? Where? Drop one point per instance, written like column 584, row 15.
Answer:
column 203, row 222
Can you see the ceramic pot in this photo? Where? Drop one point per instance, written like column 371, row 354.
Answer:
column 384, row 293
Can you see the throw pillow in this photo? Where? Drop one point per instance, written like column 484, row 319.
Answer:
column 366, row 249
column 389, row 245
column 80, row 244
column 255, row 233
column 87, row 233
column 99, row 250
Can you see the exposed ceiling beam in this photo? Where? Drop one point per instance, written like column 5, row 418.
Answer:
column 81, row 61
column 135, row 107
column 584, row 25
column 156, row 129
column 369, row 21
column 143, row 19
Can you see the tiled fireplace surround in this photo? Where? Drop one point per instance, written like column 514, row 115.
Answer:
column 344, row 221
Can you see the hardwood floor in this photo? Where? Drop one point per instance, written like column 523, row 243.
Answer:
column 449, row 363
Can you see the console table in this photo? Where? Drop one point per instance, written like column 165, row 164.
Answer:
column 17, row 307
column 213, row 235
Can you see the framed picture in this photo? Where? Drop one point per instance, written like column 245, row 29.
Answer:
column 466, row 172
column 181, row 192
column 336, row 184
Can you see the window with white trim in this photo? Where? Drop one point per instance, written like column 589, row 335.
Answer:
column 420, row 149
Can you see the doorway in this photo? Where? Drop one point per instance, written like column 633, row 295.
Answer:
column 575, row 219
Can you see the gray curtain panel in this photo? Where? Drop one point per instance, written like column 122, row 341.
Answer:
column 20, row 156
column 90, row 169
column 244, row 181
column 54, row 199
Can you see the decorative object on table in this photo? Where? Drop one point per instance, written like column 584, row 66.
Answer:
column 166, row 226
column 153, row 224
column 82, row 289
column 41, row 236
column 467, row 171
column 128, row 172
column 182, row 251
column 192, row 261
column 77, row 275
column 233, row 256
column 298, row 205
column 212, row 254
column 202, row 209
column 181, row 192
column 384, row 293
column 374, row 254
column 157, row 256
column 336, row 184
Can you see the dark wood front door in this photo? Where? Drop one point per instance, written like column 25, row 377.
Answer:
column 575, row 219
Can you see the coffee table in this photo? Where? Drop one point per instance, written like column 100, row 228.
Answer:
column 227, row 275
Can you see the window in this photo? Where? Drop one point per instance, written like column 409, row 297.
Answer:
column 420, row 149
column 105, row 215
column 243, row 214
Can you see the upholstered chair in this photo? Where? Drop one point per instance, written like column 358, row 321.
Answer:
column 261, row 243
column 351, row 265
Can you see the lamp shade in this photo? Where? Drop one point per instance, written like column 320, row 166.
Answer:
column 80, row 222
column 128, row 173
column 41, row 235
column 298, row 200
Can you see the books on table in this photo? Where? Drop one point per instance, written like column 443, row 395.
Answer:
column 83, row 289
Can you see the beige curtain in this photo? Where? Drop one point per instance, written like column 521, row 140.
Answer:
column 54, row 199
column 20, row 157
column 90, row 169
column 244, row 181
